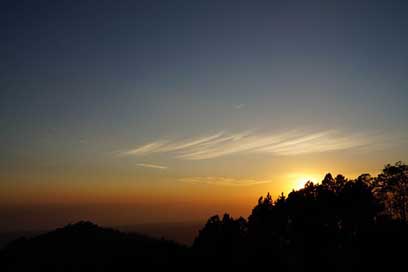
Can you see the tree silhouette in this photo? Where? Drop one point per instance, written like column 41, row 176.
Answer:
column 392, row 185
column 223, row 238
column 337, row 224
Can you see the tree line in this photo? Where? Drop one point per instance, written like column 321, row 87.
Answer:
column 338, row 224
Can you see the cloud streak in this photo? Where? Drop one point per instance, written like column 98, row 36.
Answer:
column 287, row 143
column 149, row 165
column 222, row 181
column 239, row 106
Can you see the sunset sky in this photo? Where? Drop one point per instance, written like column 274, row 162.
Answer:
column 129, row 112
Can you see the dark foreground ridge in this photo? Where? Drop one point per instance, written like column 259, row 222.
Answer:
column 84, row 245
column 337, row 225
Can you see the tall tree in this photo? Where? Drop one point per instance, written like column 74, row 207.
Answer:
column 392, row 186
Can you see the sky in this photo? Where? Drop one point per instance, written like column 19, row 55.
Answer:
column 127, row 112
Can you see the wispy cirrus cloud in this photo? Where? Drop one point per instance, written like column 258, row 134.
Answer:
column 287, row 143
column 149, row 165
column 148, row 148
column 223, row 181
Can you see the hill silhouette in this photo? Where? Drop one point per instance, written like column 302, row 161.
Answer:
column 83, row 246
column 336, row 225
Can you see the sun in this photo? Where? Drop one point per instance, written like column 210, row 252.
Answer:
column 297, row 181
column 300, row 183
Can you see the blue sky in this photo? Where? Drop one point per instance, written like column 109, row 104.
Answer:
column 85, row 83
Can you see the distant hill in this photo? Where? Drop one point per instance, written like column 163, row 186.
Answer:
column 83, row 246
column 180, row 232
column 8, row 236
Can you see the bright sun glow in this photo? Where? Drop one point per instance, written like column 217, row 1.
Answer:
column 297, row 181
